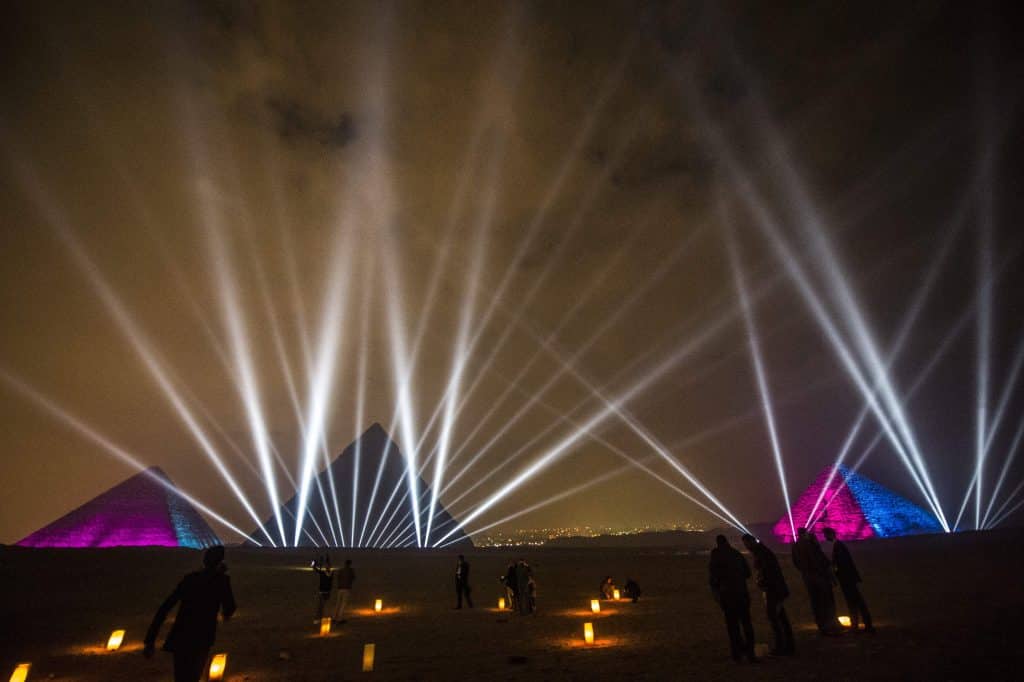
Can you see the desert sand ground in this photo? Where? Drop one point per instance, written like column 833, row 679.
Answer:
column 946, row 608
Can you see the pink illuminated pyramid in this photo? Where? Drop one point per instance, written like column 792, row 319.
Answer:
column 856, row 507
column 144, row 511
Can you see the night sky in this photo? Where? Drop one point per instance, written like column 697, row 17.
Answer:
column 595, row 152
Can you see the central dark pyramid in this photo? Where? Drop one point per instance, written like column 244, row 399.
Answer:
column 371, row 461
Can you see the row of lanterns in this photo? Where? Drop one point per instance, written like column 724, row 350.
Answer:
column 220, row 661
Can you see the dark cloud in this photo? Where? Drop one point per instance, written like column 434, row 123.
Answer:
column 296, row 124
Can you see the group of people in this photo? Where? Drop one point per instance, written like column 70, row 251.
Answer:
column 327, row 577
column 631, row 590
column 520, row 587
column 206, row 593
column 729, row 572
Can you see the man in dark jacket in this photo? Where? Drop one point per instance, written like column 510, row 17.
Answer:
column 728, row 574
column 848, row 577
column 325, row 580
column 202, row 594
column 462, row 582
column 346, row 577
column 816, row 571
column 768, row 576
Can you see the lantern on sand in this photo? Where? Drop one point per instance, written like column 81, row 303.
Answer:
column 325, row 627
column 378, row 605
column 20, row 673
column 844, row 621
column 217, row 666
column 588, row 633
column 368, row 651
column 501, row 603
column 615, row 595
column 116, row 637
column 595, row 605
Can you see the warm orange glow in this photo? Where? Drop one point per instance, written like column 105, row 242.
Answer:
column 378, row 605
column 20, row 673
column 588, row 633
column 615, row 595
column 217, row 666
column 368, row 651
column 501, row 602
column 325, row 627
column 595, row 606
column 844, row 621
column 116, row 637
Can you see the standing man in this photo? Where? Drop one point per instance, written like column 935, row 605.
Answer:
column 728, row 578
column 848, row 577
column 816, row 571
column 325, row 579
column 202, row 594
column 346, row 576
column 462, row 582
column 768, row 576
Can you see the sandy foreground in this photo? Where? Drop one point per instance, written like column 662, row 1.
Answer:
column 946, row 608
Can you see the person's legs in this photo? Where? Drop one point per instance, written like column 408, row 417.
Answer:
column 339, row 609
column 814, row 593
column 469, row 598
column 789, row 644
column 748, row 629
column 829, row 606
column 857, row 606
column 772, row 608
column 189, row 664
column 321, row 599
column 732, row 627
column 458, row 594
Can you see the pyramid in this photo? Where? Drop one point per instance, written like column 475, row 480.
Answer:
column 375, row 454
column 857, row 508
column 143, row 511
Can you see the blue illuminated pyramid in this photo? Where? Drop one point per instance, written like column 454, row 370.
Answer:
column 856, row 507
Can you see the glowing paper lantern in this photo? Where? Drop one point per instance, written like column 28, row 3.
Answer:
column 588, row 633
column 378, row 605
column 595, row 605
column 217, row 666
column 368, row 652
column 20, row 673
column 844, row 621
column 501, row 602
column 615, row 595
column 325, row 627
column 116, row 637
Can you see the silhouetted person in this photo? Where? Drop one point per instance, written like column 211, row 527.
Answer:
column 768, row 576
column 848, row 577
column 345, row 578
column 509, row 580
column 607, row 590
column 728, row 574
column 325, row 579
column 631, row 590
column 525, row 588
column 816, row 571
column 202, row 594
column 462, row 582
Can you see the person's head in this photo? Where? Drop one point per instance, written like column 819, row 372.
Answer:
column 749, row 541
column 721, row 541
column 801, row 532
column 213, row 556
column 830, row 534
